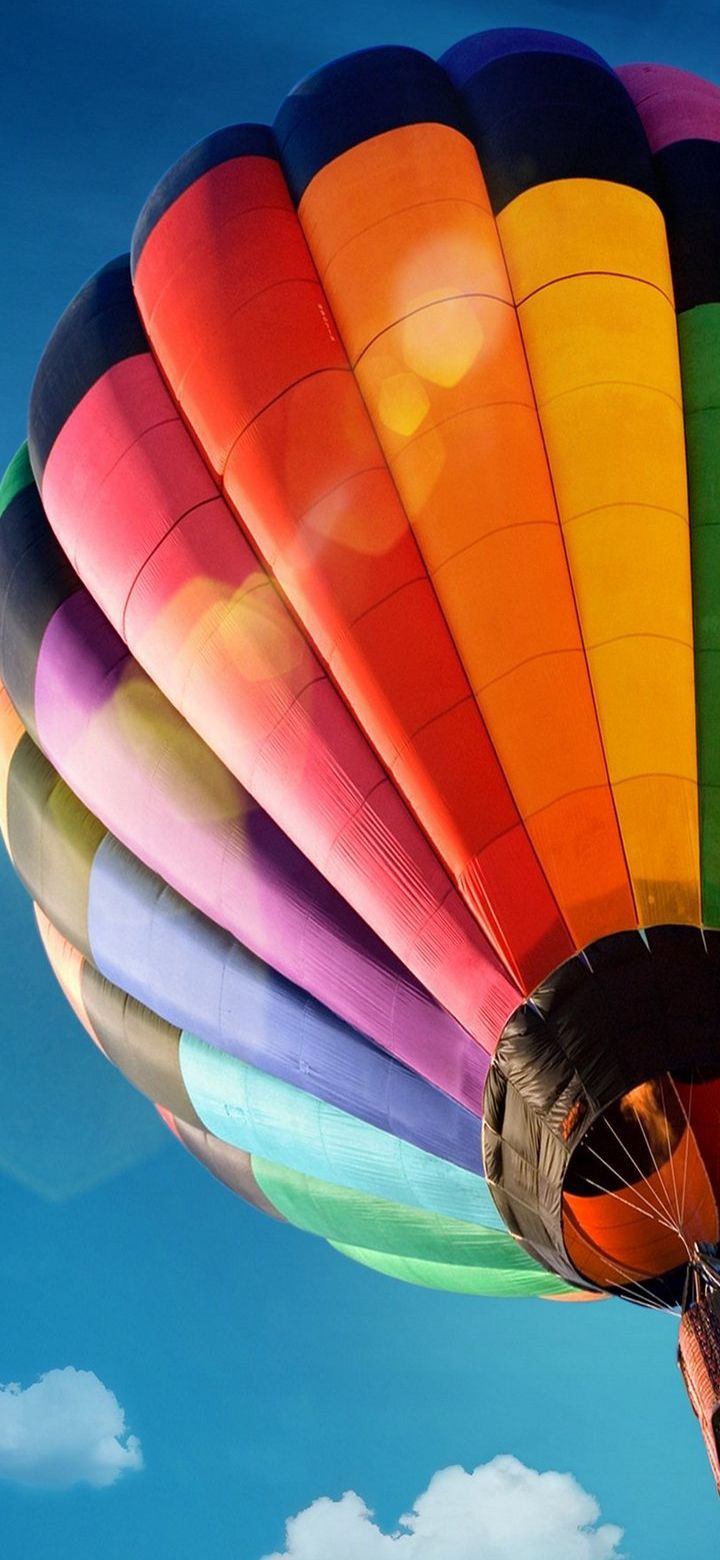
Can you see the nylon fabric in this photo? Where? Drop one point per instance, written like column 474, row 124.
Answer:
column 269, row 1118
column 237, row 316
column 143, row 938
column 134, row 1039
column 406, row 245
column 337, row 1213
column 360, row 664
column 127, row 753
column 699, row 332
column 272, row 1188
column 52, row 839
column 205, row 621
column 514, row 1282
column 229, row 1165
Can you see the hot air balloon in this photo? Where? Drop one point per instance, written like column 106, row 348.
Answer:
column 360, row 650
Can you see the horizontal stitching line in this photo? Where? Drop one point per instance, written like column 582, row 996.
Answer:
column 596, row 384
column 283, row 281
column 621, row 503
column 572, row 276
column 418, row 205
column 321, row 677
column 541, row 655
column 178, row 521
column 363, row 471
column 337, row 368
column 616, row 639
column 190, row 252
column 497, row 530
column 418, row 579
column 422, row 309
column 484, row 406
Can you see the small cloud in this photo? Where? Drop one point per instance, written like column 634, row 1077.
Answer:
column 67, row 1428
column 500, row 1511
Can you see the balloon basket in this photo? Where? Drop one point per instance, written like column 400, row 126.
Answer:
column 699, row 1349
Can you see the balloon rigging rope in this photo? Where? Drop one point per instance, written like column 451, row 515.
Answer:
column 654, row 1211
column 631, row 1186
column 671, row 1159
column 673, row 1216
column 627, row 1203
column 650, row 1206
column 687, row 1148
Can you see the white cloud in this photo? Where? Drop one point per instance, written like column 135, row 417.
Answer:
column 67, row 1428
column 501, row 1511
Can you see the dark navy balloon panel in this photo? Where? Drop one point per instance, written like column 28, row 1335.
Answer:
column 360, row 652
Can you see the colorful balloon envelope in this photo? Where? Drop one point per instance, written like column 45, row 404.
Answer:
column 360, row 650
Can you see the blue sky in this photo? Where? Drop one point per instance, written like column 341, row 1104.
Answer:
column 259, row 1369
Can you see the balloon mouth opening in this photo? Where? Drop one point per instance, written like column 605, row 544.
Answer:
column 642, row 1186
column 601, row 1140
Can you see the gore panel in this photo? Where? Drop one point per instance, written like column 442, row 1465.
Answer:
column 514, row 1282
column 139, row 1043
column 148, row 941
column 67, row 965
column 12, row 732
column 222, row 146
column 689, row 183
column 337, row 1213
column 227, row 1164
column 468, row 56
column 699, row 332
column 674, row 105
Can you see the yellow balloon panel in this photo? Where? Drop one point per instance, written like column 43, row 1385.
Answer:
column 603, row 355
column 627, row 559
column 604, row 328
column 612, row 443
column 643, row 687
column 644, row 683
column 571, row 226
